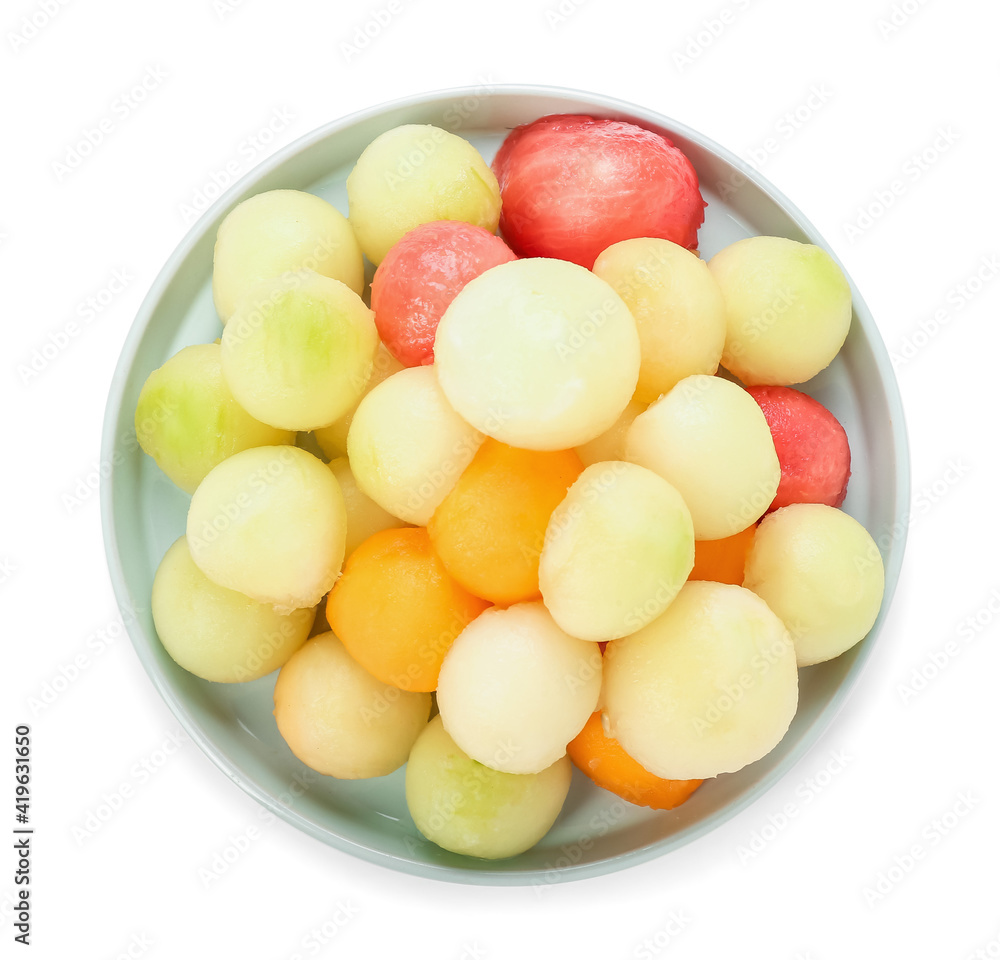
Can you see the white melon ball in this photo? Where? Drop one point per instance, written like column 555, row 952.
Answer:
column 538, row 353
column 709, row 439
column 299, row 350
column 706, row 688
column 820, row 571
column 610, row 445
column 617, row 550
column 215, row 633
column 788, row 309
column 270, row 522
column 341, row 721
column 677, row 306
column 407, row 446
column 364, row 515
column 514, row 688
column 416, row 174
column 332, row 440
column 467, row 808
column 279, row 231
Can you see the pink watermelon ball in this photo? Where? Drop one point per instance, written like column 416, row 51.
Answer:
column 421, row 275
column 811, row 445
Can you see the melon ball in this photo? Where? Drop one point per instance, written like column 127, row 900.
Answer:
column 415, row 174
column 299, row 350
column 270, row 522
column 341, row 721
column 467, row 808
column 421, row 275
column 708, row 438
column 678, row 309
column 574, row 185
column 407, row 446
column 706, row 688
column 279, row 231
column 539, row 354
column 617, row 550
column 219, row 634
column 364, row 515
column 610, row 445
column 788, row 309
column 811, row 444
column 819, row 570
column 188, row 420
column 332, row 440
column 514, row 689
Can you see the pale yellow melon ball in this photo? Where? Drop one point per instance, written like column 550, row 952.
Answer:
column 279, row 231
column 299, row 350
column 341, row 721
column 416, row 174
column 821, row 572
column 677, row 306
column 270, row 522
column 514, row 688
column 617, row 550
column 539, row 354
column 407, row 446
column 467, row 808
column 788, row 309
column 219, row 634
column 709, row 439
column 706, row 688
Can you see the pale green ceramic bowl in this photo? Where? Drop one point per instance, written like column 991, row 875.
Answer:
column 143, row 513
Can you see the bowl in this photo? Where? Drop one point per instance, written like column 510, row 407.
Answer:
column 143, row 513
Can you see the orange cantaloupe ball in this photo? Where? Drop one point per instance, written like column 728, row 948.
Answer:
column 722, row 560
column 396, row 609
column 490, row 529
column 604, row 760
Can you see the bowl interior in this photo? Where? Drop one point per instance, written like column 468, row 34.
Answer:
column 144, row 513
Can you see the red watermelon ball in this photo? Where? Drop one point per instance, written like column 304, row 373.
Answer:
column 811, row 445
column 420, row 276
column 571, row 186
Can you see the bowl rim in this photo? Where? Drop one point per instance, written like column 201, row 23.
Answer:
column 475, row 875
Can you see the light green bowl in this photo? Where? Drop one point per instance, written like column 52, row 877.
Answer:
column 144, row 513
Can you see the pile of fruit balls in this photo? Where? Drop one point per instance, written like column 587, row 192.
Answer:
column 539, row 506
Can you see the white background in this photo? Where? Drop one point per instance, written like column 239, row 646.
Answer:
column 887, row 93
